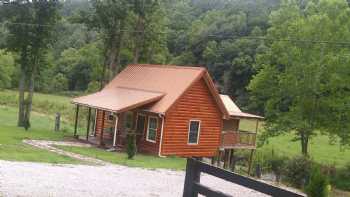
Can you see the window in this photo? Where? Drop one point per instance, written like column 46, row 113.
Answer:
column 193, row 131
column 128, row 120
column 140, row 125
column 110, row 116
column 152, row 129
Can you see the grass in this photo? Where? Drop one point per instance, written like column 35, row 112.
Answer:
column 140, row 160
column 320, row 148
column 47, row 104
column 11, row 146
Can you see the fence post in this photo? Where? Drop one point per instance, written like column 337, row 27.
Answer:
column 57, row 121
column 192, row 176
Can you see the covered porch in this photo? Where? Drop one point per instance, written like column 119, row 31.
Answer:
column 118, row 112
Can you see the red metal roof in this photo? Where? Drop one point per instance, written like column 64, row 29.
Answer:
column 234, row 110
column 170, row 80
column 118, row 99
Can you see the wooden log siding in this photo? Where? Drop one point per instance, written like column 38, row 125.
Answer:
column 197, row 103
column 145, row 146
column 107, row 124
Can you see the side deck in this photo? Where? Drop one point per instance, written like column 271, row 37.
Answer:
column 238, row 140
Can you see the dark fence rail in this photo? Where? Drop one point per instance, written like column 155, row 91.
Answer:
column 193, row 187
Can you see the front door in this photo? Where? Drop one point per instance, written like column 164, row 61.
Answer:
column 140, row 127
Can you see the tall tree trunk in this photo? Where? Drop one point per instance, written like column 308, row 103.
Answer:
column 29, row 101
column 112, row 56
column 140, row 30
column 304, row 139
column 103, row 74
column 21, row 103
column 114, row 51
column 22, row 87
column 119, row 47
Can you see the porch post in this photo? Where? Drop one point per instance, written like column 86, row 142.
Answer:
column 102, row 128
column 88, row 124
column 76, row 120
column 115, row 130
column 257, row 126
column 250, row 161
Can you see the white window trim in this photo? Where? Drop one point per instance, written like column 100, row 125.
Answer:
column 137, row 119
column 148, row 124
column 188, row 132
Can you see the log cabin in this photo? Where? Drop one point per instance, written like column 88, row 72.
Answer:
column 172, row 110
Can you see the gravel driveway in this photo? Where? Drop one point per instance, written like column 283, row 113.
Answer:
column 43, row 180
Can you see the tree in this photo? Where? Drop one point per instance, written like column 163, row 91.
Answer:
column 109, row 17
column 213, row 35
column 30, row 25
column 303, row 83
column 148, row 21
column 7, row 67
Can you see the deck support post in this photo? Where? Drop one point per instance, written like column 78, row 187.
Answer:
column 213, row 160
column 226, row 158
column 232, row 160
column 250, row 161
column 88, row 124
column 76, row 121
column 102, row 128
column 218, row 158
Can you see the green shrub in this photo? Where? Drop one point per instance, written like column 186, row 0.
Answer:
column 341, row 180
column 297, row 171
column 131, row 145
column 277, row 164
column 318, row 185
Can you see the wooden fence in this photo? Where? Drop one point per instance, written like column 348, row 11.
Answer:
column 193, row 187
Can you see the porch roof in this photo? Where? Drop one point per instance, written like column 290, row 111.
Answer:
column 118, row 99
column 234, row 110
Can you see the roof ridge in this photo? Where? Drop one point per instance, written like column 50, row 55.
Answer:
column 140, row 89
column 170, row 66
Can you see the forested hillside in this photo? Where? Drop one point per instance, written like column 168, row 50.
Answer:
column 286, row 60
column 190, row 32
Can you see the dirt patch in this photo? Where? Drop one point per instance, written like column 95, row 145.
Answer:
column 50, row 146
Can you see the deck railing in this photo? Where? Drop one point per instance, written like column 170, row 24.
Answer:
column 238, row 138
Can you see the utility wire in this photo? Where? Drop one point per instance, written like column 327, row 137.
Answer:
column 346, row 43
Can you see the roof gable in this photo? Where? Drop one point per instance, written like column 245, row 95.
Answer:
column 170, row 80
column 234, row 110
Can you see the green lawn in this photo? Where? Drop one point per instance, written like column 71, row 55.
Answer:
column 11, row 146
column 140, row 160
column 45, row 104
column 320, row 149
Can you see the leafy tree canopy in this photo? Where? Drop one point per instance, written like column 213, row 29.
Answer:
column 303, row 85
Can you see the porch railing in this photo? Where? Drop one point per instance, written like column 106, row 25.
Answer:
column 238, row 138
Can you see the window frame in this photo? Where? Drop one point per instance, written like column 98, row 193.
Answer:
column 189, row 130
column 144, row 125
column 148, row 128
